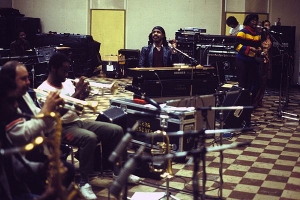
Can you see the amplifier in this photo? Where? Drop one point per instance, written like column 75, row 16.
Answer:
column 113, row 66
column 186, row 47
column 187, row 36
column 176, row 87
column 84, row 50
column 225, row 63
column 237, row 118
column 186, row 120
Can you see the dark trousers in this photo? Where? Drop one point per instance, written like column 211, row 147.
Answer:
column 248, row 76
column 263, row 75
column 36, row 178
column 86, row 135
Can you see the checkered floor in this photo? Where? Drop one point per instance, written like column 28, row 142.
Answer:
column 267, row 169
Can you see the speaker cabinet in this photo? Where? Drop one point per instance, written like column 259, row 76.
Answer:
column 241, row 117
column 225, row 65
column 131, row 58
column 205, row 118
column 190, row 49
column 114, row 115
column 282, row 53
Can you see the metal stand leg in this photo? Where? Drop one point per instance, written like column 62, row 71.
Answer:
column 168, row 193
column 33, row 76
column 281, row 113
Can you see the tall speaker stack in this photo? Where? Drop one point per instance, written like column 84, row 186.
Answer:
column 186, row 42
column 11, row 20
column 282, row 51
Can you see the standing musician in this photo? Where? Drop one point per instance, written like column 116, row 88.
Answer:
column 248, row 47
column 157, row 53
column 266, row 44
column 21, row 130
column 83, row 134
column 234, row 25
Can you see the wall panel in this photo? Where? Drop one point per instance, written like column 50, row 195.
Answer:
column 172, row 15
column 63, row 16
column 107, row 27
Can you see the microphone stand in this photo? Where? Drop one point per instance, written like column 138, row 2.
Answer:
column 280, row 111
column 193, row 61
column 199, row 155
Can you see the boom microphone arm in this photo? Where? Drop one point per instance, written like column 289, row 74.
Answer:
column 193, row 60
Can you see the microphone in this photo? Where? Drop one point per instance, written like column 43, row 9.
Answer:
column 152, row 102
column 275, row 32
column 171, row 41
column 25, row 115
column 28, row 147
column 116, row 187
column 120, row 148
column 122, row 144
column 133, row 89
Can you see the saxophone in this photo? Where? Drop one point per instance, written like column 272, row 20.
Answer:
column 55, row 189
column 55, row 169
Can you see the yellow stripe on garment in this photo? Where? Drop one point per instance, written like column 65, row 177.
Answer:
column 251, row 37
column 238, row 48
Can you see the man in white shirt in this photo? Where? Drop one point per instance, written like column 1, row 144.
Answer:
column 234, row 24
column 83, row 134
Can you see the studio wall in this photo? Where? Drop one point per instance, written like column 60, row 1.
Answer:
column 5, row 3
column 73, row 16
column 172, row 15
column 62, row 16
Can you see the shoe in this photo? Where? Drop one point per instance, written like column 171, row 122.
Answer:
column 87, row 191
column 132, row 179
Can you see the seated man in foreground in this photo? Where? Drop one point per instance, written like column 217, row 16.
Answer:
column 83, row 134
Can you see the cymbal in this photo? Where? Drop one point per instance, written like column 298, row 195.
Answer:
column 62, row 48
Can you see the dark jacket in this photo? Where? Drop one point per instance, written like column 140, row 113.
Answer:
column 12, row 168
column 18, row 48
column 146, row 57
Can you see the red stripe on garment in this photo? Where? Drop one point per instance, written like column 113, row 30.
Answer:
column 13, row 123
